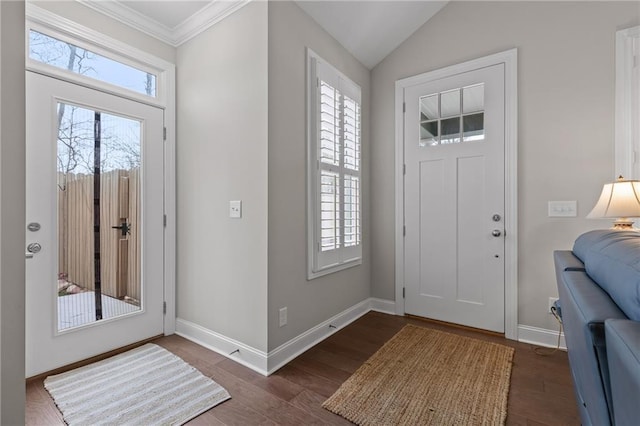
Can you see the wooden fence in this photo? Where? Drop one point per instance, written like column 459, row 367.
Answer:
column 120, row 257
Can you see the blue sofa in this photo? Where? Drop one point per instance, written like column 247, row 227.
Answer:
column 599, row 288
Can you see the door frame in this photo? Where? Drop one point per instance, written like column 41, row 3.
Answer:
column 44, row 19
column 510, row 60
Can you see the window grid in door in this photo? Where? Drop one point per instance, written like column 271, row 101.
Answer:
column 452, row 116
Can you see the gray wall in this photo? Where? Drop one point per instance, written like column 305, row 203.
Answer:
column 12, row 211
column 222, row 156
column 308, row 302
column 566, row 75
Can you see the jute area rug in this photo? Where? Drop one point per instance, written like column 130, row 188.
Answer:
column 145, row 386
column 428, row 377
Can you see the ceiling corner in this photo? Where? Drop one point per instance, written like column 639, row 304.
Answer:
column 205, row 18
column 132, row 18
column 201, row 19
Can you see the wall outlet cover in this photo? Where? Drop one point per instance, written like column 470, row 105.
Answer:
column 283, row 316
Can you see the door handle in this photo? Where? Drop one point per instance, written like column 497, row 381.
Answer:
column 496, row 233
column 34, row 248
column 125, row 228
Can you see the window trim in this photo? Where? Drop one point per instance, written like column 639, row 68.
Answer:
column 60, row 28
column 627, row 132
column 353, row 254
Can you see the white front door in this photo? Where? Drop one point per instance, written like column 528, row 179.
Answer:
column 95, row 212
column 454, row 141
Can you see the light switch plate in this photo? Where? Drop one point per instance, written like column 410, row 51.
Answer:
column 563, row 208
column 235, row 209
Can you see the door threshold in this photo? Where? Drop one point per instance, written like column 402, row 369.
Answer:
column 91, row 360
column 454, row 325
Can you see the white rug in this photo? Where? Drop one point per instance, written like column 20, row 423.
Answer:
column 144, row 386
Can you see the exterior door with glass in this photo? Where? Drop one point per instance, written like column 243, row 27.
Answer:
column 454, row 200
column 95, row 222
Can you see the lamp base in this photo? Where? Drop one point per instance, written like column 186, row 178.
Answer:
column 624, row 227
column 623, row 224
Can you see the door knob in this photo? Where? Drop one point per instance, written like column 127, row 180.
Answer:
column 496, row 232
column 34, row 248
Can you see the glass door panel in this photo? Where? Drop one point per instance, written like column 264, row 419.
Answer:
column 98, row 170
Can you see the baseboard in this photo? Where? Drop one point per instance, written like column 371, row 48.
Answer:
column 540, row 337
column 383, row 305
column 286, row 352
column 267, row 364
column 232, row 349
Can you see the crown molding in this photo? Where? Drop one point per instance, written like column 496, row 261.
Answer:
column 204, row 18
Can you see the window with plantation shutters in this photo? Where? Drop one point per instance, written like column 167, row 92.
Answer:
column 627, row 134
column 334, row 175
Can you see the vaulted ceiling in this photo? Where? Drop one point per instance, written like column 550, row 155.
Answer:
column 370, row 30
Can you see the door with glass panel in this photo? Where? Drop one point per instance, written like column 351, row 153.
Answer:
column 454, row 139
column 95, row 222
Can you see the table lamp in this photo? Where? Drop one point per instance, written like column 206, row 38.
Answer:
column 619, row 200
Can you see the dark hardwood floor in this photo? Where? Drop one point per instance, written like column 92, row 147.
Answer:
column 541, row 392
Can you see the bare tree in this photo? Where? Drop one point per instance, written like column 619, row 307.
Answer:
column 75, row 124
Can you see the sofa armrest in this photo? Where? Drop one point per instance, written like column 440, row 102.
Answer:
column 565, row 260
column 623, row 349
column 585, row 307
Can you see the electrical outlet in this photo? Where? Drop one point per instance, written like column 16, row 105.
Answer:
column 552, row 300
column 283, row 316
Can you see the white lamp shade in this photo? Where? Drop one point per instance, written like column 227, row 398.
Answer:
column 618, row 199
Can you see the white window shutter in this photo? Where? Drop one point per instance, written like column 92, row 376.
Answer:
column 334, row 169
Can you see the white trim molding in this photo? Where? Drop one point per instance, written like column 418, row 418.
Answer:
column 340, row 255
column 296, row 346
column 44, row 19
column 510, row 60
column 383, row 306
column 540, row 337
column 269, row 363
column 237, row 351
column 209, row 15
column 627, row 128
column 56, row 26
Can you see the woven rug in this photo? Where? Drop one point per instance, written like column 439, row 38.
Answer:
column 428, row 377
column 144, row 386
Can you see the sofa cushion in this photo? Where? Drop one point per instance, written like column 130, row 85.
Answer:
column 586, row 241
column 612, row 259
